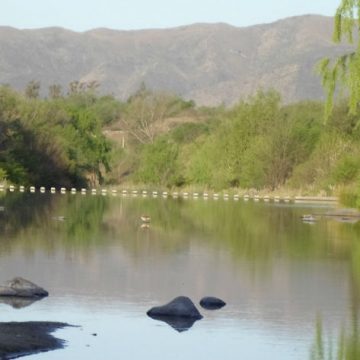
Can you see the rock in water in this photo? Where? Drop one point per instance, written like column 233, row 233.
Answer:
column 212, row 303
column 181, row 306
column 22, row 288
column 180, row 313
column 27, row 338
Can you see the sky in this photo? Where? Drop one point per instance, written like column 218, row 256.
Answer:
column 82, row 15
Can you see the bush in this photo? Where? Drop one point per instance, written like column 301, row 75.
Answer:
column 349, row 195
column 2, row 174
column 347, row 169
column 158, row 164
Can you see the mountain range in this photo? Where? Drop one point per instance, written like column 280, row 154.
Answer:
column 208, row 63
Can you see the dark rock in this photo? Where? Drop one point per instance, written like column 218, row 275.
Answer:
column 212, row 303
column 19, row 287
column 181, row 306
column 27, row 338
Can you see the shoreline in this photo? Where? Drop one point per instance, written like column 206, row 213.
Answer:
column 145, row 191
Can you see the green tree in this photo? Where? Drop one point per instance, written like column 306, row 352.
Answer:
column 344, row 72
column 32, row 89
column 53, row 141
column 87, row 149
column 158, row 164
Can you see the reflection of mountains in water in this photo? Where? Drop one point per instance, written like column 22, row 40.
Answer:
column 18, row 302
column 178, row 323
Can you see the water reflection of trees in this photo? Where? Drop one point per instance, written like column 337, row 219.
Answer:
column 48, row 222
column 256, row 232
column 347, row 238
column 345, row 347
column 20, row 210
column 347, row 341
column 259, row 232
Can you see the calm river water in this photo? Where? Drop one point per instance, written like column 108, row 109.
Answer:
column 292, row 288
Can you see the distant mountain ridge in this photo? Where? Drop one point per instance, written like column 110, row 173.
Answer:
column 209, row 63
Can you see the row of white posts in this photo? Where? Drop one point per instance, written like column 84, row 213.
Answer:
column 145, row 193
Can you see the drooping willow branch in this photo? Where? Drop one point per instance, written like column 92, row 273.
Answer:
column 343, row 73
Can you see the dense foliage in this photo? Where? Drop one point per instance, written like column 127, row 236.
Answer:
column 344, row 72
column 166, row 141
column 259, row 143
column 56, row 141
column 340, row 76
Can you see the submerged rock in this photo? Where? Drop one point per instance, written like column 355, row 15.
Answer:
column 212, row 303
column 19, row 287
column 27, row 338
column 181, row 306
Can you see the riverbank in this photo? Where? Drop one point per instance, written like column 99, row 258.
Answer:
column 235, row 194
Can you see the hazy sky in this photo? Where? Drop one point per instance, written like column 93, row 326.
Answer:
column 139, row 14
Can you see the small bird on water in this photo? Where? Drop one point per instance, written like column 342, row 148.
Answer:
column 145, row 218
column 308, row 218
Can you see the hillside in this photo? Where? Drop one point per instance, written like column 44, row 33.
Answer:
column 209, row 63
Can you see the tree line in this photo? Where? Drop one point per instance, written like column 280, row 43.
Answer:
column 259, row 143
column 170, row 142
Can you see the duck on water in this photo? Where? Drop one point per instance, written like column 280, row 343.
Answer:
column 308, row 218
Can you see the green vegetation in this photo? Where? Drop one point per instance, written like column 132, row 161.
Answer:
column 165, row 141
column 55, row 141
column 340, row 76
column 259, row 143
column 344, row 72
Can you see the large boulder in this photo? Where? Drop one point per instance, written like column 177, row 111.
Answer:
column 212, row 303
column 19, row 287
column 181, row 306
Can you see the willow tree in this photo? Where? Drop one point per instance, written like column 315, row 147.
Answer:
column 343, row 73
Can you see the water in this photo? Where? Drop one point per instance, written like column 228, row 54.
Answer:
column 284, row 281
